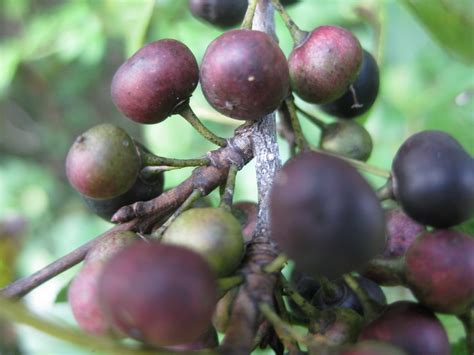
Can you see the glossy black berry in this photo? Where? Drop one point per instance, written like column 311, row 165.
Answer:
column 221, row 13
column 365, row 89
column 433, row 179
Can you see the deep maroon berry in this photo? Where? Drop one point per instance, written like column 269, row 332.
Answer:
column 244, row 74
column 325, row 216
column 160, row 76
column 324, row 64
column 433, row 179
column 411, row 327
column 365, row 89
column 440, row 270
column 160, row 294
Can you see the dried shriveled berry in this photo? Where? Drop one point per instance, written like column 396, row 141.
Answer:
column 157, row 293
column 325, row 216
column 244, row 74
column 440, row 270
column 103, row 162
column 324, row 64
column 151, row 84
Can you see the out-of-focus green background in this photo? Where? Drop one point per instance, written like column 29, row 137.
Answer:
column 57, row 58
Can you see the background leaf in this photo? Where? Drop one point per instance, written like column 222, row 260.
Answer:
column 450, row 22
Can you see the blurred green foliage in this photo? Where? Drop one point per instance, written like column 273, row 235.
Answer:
column 57, row 59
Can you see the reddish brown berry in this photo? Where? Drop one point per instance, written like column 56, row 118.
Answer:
column 440, row 270
column 244, row 74
column 157, row 293
column 160, row 76
column 411, row 327
column 324, row 64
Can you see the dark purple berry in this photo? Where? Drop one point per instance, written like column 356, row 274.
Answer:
column 142, row 190
column 244, row 74
column 221, row 13
column 433, row 179
column 325, row 216
column 365, row 89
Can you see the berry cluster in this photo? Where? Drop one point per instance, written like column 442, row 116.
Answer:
column 176, row 285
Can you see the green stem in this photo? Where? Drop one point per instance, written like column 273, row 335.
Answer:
column 284, row 330
column 395, row 266
column 249, row 14
column 296, row 33
column 228, row 283
column 308, row 309
column 188, row 114
column 18, row 313
column 276, row 265
column 193, row 197
column 357, row 164
column 290, row 344
column 301, row 142
column 228, row 194
column 330, row 290
column 149, row 159
column 369, row 307
column 315, row 120
column 385, row 192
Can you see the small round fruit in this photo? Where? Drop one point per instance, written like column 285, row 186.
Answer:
column 324, row 64
column 244, row 74
column 433, row 179
column 208, row 340
column 366, row 89
column 83, row 300
column 440, row 270
column 325, row 216
column 338, row 326
column 103, row 162
column 160, row 294
column 410, row 326
column 160, row 76
column 401, row 233
column 213, row 232
column 83, row 291
column 371, row 347
column 221, row 13
column 142, row 190
column 347, row 138
column 105, row 248
column 246, row 213
column 347, row 297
